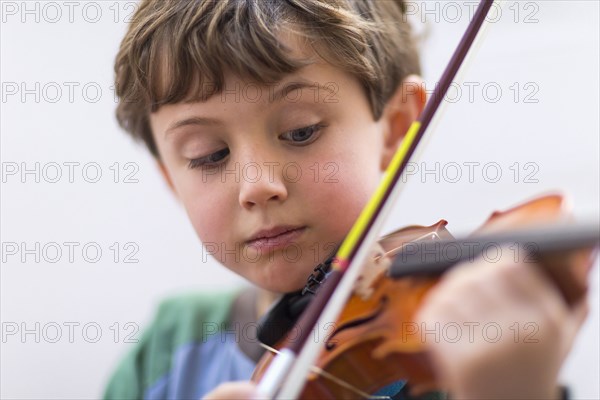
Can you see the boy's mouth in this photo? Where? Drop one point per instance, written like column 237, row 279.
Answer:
column 272, row 238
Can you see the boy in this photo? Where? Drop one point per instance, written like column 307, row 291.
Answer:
column 272, row 121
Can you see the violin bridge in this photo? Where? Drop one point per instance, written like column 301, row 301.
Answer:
column 375, row 267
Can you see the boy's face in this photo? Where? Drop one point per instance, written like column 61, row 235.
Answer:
column 273, row 183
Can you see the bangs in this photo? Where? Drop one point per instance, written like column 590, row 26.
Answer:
column 190, row 52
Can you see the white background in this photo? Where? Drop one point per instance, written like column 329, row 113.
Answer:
column 550, row 46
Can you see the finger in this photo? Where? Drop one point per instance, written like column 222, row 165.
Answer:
column 470, row 290
column 580, row 311
column 234, row 390
column 578, row 315
column 536, row 294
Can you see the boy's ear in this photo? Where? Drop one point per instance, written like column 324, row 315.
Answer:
column 166, row 177
column 401, row 110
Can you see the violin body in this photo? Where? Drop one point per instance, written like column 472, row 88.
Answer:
column 376, row 340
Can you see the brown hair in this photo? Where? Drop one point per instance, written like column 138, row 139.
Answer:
column 176, row 50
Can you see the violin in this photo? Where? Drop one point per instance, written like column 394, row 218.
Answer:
column 371, row 345
column 376, row 340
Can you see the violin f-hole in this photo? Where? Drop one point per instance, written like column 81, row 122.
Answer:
column 330, row 343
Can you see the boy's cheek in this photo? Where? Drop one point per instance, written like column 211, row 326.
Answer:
column 210, row 224
column 206, row 211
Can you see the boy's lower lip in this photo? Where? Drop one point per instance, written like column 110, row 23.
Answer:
column 276, row 242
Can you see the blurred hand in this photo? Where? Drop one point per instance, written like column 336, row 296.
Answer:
column 531, row 330
column 234, row 390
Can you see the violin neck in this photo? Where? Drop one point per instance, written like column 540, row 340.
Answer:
column 565, row 253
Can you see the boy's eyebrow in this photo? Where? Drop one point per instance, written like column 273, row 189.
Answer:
column 205, row 121
column 289, row 87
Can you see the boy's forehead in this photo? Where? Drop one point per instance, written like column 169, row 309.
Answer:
column 318, row 75
column 298, row 46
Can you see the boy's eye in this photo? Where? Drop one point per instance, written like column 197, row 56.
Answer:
column 210, row 160
column 304, row 135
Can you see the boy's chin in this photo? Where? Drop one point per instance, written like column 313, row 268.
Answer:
column 285, row 283
column 280, row 288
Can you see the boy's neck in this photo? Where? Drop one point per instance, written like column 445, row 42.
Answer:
column 264, row 300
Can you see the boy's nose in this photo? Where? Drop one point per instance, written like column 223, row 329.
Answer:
column 261, row 184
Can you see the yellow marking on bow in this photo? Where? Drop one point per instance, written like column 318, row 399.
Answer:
column 367, row 213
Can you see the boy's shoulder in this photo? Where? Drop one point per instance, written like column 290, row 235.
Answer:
column 179, row 321
column 192, row 316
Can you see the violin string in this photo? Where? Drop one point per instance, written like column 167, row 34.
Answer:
column 269, row 348
column 331, row 377
column 345, row 384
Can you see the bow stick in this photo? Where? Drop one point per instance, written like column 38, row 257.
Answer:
column 286, row 374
